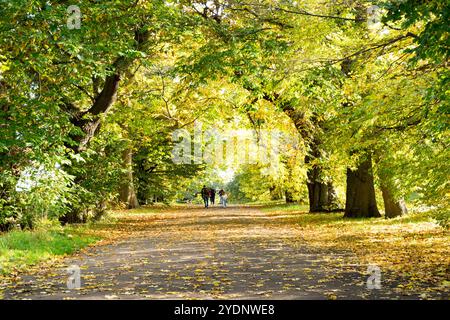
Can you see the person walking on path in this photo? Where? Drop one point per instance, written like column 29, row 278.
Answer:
column 213, row 196
column 223, row 198
column 205, row 196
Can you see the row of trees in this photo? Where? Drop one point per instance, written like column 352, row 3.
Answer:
column 87, row 114
column 356, row 93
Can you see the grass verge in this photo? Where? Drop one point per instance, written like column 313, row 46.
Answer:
column 20, row 250
column 24, row 250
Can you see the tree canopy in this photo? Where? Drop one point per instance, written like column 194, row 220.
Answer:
column 93, row 94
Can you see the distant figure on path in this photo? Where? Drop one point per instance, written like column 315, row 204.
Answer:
column 205, row 196
column 213, row 196
column 223, row 198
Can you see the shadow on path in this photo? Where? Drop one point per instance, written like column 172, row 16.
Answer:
column 233, row 253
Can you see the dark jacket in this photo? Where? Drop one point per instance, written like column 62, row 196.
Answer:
column 205, row 192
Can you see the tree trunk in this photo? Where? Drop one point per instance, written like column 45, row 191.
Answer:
column 275, row 193
column 360, row 195
column 317, row 191
column 322, row 196
column 392, row 207
column 127, row 190
column 289, row 197
column 89, row 121
column 332, row 198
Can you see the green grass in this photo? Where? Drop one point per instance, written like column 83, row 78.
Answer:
column 301, row 213
column 21, row 249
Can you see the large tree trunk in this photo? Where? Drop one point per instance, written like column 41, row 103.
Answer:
column 317, row 191
column 392, row 207
column 333, row 198
column 89, row 120
column 127, row 190
column 321, row 194
column 360, row 195
column 103, row 97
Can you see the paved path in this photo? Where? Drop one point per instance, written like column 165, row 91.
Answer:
column 233, row 253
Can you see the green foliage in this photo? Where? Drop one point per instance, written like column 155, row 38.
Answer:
column 442, row 217
column 98, row 173
column 256, row 183
column 38, row 192
column 432, row 38
column 249, row 186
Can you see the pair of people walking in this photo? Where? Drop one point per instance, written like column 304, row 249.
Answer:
column 209, row 196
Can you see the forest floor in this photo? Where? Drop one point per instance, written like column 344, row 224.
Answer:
column 246, row 252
